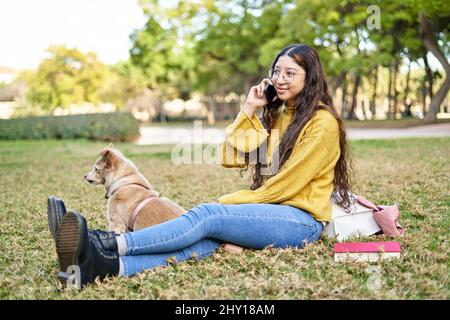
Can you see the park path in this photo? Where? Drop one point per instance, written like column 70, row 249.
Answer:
column 186, row 134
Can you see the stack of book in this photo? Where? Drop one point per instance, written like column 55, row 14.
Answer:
column 366, row 251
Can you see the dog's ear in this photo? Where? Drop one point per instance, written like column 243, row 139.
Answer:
column 109, row 158
column 104, row 152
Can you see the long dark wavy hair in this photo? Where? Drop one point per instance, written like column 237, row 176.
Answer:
column 314, row 96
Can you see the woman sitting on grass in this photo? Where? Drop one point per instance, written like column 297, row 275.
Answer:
column 300, row 149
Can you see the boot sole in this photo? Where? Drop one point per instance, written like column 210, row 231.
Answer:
column 68, row 245
column 54, row 216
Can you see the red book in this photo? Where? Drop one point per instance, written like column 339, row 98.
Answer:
column 366, row 251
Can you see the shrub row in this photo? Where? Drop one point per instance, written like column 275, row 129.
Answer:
column 98, row 126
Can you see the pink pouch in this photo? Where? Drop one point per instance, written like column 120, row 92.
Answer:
column 385, row 216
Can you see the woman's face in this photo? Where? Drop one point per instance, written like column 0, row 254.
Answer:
column 288, row 79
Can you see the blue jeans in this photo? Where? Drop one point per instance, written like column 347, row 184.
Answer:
column 202, row 229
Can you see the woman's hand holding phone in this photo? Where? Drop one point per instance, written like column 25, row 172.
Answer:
column 256, row 98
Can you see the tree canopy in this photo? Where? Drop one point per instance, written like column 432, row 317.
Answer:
column 376, row 54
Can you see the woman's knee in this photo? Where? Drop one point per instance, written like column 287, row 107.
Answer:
column 207, row 215
column 207, row 209
column 314, row 236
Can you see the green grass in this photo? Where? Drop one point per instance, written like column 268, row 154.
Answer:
column 390, row 123
column 414, row 173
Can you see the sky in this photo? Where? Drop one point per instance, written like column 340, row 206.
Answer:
column 28, row 27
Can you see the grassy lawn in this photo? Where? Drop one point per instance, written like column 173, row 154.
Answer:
column 414, row 173
column 390, row 123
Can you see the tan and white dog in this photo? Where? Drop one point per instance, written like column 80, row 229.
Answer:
column 132, row 202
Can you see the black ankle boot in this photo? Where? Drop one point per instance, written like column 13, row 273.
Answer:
column 55, row 212
column 56, row 209
column 80, row 260
column 104, row 239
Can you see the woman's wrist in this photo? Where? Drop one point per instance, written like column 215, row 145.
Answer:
column 248, row 110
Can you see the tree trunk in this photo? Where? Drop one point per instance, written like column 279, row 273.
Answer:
column 341, row 79
column 406, row 104
column 363, row 109
column 394, row 85
column 390, row 96
column 429, row 79
column 372, row 105
column 211, row 110
column 431, row 44
column 423, row 91
column 352, row 114
column 159, row 105
column 344, row 99
column 337, row 83
column 428, row 75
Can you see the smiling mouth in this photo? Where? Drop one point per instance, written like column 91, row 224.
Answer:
column 281, row 90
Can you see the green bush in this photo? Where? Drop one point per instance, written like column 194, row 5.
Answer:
column 97, row 126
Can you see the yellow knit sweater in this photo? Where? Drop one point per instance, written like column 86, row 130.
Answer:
column 306, row 179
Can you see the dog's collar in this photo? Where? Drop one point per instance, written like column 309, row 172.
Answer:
column 107, row 195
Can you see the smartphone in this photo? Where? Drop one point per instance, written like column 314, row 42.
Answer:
column 270, row 93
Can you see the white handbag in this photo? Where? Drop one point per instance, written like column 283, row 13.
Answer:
column 356, row 221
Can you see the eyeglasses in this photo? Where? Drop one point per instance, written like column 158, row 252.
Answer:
column 288, row 76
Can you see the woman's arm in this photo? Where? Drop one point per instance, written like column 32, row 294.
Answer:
column 247, row 132
column 310, row 155
column 244, row 135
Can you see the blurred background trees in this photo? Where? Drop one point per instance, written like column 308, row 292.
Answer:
column 376, row 56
